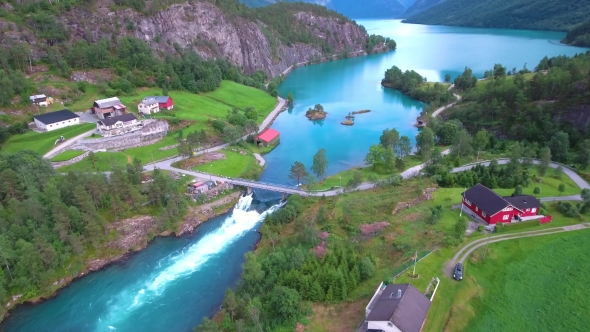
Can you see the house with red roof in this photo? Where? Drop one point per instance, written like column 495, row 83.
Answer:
column 493, row 208
column 267, row 138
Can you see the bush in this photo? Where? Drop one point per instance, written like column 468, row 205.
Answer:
column 568, row 209
column 449, row 241
column 480, row 228
column 366, row 268
column 537, row 190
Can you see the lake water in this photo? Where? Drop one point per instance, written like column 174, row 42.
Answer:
column 354, row 84
column 173, row 283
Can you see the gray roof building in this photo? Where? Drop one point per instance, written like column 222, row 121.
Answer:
column 54, row 117
column 397, row 307
column 108, row 102
column 159, row 99
column 112, row 120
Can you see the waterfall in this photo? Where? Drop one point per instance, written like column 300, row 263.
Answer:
column 182, row 264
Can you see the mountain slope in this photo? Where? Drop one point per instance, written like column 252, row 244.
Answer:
column 557, row 15
column 419, row 6
column 349, row 8
column 579, row 35
column 271, row 38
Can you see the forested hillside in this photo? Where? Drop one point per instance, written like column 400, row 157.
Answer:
column 579, row 35
column 51, row 225
column 548, row 108
column 350, row 8
column 558, row 15
column 419, row 6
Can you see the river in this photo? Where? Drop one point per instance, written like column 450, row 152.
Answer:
column 173, row 283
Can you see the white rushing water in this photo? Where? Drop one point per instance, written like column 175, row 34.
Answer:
column 183, row 264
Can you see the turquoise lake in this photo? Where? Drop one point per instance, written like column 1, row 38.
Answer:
column 174, row 283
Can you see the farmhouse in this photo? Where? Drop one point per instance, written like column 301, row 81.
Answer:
column 55, row 120
column 106, row 108
column 267, row 137
column 118, row 125
column 165, row 102
column 492, row 208
column 395, row 308
column 40, row 100
column 148, row 105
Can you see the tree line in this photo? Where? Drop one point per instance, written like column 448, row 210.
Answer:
column 527, row 107
column 413, row 84
column 51, row 223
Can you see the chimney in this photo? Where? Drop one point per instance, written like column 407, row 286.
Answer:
column 399, row 293
column 525, row 201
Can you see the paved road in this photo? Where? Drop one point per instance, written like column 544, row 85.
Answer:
column 464, row 253
column 67, row 143
column 440, row 109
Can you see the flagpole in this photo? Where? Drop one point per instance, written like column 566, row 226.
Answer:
column 415, row 259
column 464, row 193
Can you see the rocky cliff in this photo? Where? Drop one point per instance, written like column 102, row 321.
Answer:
column 207, row 29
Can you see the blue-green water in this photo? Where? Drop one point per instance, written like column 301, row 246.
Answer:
column 173, row 283
column 354, row 84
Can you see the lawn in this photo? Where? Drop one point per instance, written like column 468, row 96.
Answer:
column 104, row 162
column 150, row 153
column 43, row 142
column 235, row 165
column 210, row 105
column 67, row 155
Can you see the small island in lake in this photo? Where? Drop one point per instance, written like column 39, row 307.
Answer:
column 316, row 113
column 361, row 112
column 347, row 122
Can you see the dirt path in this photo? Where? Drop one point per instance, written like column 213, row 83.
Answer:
column 464, row 253
column 260, row 159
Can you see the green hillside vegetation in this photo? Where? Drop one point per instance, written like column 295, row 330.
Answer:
column 98, row 162
column 560, row 15
column 43, row 142
column 350, row 8
column 71, row 215
column 235, row 165
column 578, row 35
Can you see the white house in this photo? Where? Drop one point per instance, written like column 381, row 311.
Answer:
column 118, row 125
column 40, row 100
column 55, row 120
column 396, row 308
column 148, row 106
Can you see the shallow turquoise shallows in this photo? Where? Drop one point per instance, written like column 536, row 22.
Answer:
column 174, row 283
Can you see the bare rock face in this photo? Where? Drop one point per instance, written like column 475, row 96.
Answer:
column 211, row 33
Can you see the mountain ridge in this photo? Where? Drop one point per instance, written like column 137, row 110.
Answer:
column 350, row 8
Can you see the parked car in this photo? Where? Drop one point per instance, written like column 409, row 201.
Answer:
column 458, row 275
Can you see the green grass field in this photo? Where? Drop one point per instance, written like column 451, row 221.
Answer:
column 210, row 105
column 67, row 155
column 104, row 162
column 43, row 142
column 542, row 285
column 235, row 165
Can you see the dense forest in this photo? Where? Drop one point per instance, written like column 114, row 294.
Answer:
column 50, row 224
column 560, row 15
column 351, row 8
column 578, row 35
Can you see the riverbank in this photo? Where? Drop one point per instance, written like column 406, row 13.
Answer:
column 135, row 235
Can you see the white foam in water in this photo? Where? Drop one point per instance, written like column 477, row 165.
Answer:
column 189, row 261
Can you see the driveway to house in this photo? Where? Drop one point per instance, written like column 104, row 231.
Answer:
column 67, row 143
column 464, row 253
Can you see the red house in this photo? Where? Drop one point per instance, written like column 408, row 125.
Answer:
column 267, row 137
column 493, row 208
column 164, row 102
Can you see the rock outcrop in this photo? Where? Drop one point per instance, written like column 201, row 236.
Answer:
column 205, row 28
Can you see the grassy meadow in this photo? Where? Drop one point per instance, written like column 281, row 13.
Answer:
column 43, row 142
column 235, row 165
column 67, row 155
column 104, row 162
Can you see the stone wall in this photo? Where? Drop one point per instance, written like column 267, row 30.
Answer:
column 152, row 132
column 71, row 161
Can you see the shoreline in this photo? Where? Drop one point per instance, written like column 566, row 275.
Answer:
column 99, row 264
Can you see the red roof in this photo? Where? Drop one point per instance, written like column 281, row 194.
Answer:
column 268, row 135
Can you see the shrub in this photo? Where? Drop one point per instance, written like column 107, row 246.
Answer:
column 537, row 190
column 449, row 241
column 366, row 268
column 480, row 228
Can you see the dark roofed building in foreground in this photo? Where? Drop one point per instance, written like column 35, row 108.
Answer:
column 395, row 308
column 55, row 120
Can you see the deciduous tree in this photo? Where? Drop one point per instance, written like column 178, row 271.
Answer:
column 320, row 164
column 298, row 172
